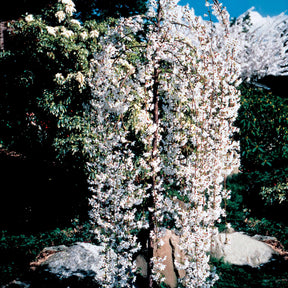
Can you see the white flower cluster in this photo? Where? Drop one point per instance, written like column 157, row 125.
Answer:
column 60, row 15
column 162, row 119
column 69, row 9
column 29, row 18
column 79, row 77
column 71, row 28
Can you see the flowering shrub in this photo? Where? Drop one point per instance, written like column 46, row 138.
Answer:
column 162, row 115
column 46, row 61
column 53, row 50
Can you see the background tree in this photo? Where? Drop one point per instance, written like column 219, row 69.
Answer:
column 262, row 121
column 262, row 44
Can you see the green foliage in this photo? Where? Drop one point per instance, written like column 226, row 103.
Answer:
column 38, row 108
column 278, row 193
column 263, row 123
column 248, row 277
column 264, row 226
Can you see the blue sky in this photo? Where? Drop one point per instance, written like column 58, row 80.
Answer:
column 237, row 7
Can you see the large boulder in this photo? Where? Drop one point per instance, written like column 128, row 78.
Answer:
column 80, row 265
column 240, row 249
column 77, row 266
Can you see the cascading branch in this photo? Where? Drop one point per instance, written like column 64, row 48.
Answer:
column 164, row 103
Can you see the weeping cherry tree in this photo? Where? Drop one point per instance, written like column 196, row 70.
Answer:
column 161, row 139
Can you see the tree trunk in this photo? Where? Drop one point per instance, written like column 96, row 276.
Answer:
column 152, row 219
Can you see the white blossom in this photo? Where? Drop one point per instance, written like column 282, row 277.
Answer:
column 60, row 15
column 29, row 18
column 66, row 33
column 76, row 22
column 59, row 78
column 70, row 9
column 69, row 6
column 94, row 34
column 84, row 35
column 52, row 30
column 80, row 78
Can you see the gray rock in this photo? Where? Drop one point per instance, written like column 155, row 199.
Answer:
column 80, row 261
column 240, row 249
